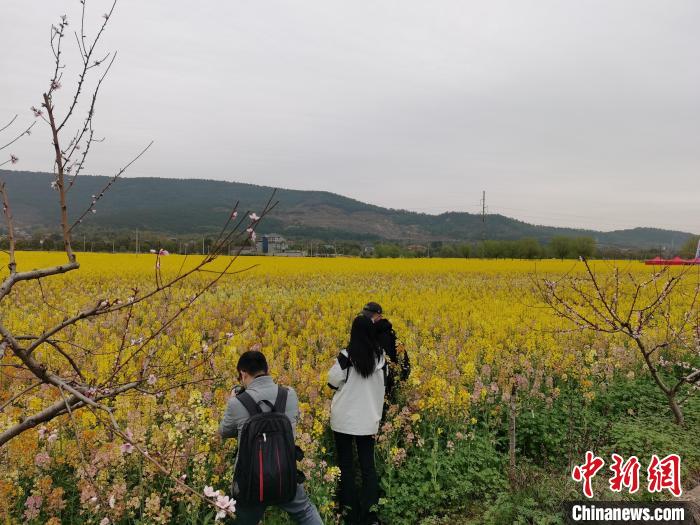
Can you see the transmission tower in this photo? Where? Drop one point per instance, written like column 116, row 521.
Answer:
column 483, row 215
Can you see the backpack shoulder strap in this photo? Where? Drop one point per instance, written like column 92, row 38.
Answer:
column 249, row 403
column 281, row 401
column 272, row 407
column 344, row 361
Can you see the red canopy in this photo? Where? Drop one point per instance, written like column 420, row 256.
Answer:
column 676, row 261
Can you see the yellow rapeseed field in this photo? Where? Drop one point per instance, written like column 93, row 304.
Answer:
column 473, row 329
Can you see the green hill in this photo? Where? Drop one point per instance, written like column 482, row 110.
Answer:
column 196, row 206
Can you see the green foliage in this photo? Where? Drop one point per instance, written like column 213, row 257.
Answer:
column 559, row 247
column 464, row 481
column 554, row 436
column 527, row 248
column 689, row 247
column 571, row 247
column 434, row 480
column 646, row 428
column 615, row 421
column 537, row 501
column 390, row 250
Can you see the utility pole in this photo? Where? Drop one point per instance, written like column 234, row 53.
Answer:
column 483, row 215
column 137, row 242
column 112, row 245
column 83, row 243
column 202, row 245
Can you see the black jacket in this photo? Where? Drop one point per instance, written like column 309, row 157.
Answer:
column 386, row 339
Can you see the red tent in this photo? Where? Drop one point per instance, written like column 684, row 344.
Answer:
column 676, row 261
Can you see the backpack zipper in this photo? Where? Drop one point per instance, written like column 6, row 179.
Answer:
column 261, row 487
column 279, row 469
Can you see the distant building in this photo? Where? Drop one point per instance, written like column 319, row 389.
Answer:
column 272, row 244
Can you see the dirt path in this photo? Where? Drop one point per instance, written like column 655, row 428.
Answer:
column 694, row 497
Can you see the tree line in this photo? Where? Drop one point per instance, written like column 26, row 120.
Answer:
column 527, row 248
column 121, row 242
column 560, row 247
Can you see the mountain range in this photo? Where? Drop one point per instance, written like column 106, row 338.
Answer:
column 198, row 206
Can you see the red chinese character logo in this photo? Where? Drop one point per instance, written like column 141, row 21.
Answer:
column 665, row 474
column 587, row 472
column 625, row 474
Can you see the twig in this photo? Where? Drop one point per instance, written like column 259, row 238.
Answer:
column 8, row 124
column 109, row 184
column 25, row 132
column 17, row 396
column 7, row 212
column 86, row 61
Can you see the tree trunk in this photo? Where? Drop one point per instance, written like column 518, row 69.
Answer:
column 511, row 438
column 676, row 409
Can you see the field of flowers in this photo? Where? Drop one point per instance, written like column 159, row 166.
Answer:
column 476, row 331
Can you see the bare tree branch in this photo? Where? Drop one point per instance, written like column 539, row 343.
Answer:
column 17, row 396
column 99, row 196
column 59, row 408
column 86, row 61
column 7, row 212
column 9, row 123
column 25, row 132
column 598, row 312
column 13, row 279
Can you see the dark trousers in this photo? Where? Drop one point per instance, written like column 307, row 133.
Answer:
column 357, row 508
column 301, row 510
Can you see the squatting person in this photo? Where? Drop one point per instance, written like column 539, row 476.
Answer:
column 263, row 416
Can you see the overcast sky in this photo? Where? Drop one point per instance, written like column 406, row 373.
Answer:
column 572, row 113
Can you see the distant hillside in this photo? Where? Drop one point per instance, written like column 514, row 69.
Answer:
column 189, row 206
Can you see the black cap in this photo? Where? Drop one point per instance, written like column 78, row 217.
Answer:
column 372, row 307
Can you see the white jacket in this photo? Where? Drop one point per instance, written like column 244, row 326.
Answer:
column 357, row 405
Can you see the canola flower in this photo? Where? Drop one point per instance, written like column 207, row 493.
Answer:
column 475, row 330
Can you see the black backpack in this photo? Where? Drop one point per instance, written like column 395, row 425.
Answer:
column 266, row 472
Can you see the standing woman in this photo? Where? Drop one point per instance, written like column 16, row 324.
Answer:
column 358, row 377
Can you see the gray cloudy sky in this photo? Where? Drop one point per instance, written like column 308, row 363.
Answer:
column 576, row 113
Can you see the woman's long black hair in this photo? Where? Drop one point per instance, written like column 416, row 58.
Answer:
column 362, row 348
